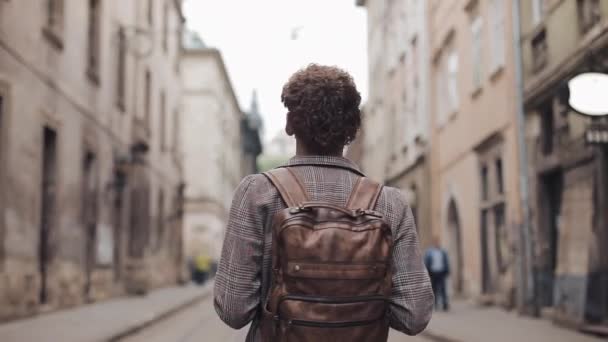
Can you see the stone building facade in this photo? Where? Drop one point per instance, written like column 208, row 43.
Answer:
column 396, row 121
column 90, row 171
column 568, row 178
column 213, row 149
column 476, row 207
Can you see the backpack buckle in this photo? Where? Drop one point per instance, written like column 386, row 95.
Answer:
column 362, row 212
column 300, row 208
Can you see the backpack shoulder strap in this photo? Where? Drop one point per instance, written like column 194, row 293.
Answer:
column 289, row 186
column 364, row 195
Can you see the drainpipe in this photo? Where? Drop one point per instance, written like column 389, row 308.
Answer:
column 526, row 294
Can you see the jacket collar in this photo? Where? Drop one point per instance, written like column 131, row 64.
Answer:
column 329, row 161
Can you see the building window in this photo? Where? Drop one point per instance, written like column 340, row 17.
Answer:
column 147, row 99
column 176, row 133
column 499, row 176
column 538, row 11
column 121, row 75
column 163, row 121
column 150, row 8
column 589, row 14
column 497, row 8
column 452, row 81
column 485, row 191
column 447, row 83
column 53, row 29
column 94, row 40
column 166, row 28
column 441, row 87
column 477, row 42
column 540, row 51
column 547, row 127
column 55, row 14
column 178, row 43
column 413, row 105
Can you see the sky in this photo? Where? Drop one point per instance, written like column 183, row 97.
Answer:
column 256, row 39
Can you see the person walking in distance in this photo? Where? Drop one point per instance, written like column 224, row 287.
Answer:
column 438, row 265
column 314, row 250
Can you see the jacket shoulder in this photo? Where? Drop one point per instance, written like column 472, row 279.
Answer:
column 394, row 196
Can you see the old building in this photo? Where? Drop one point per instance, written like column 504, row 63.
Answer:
column 212, row 144
column 90, row 172
column 252, row 129
column 397, row 111
column 476, row 207
column 568, row 178
column 374, row 164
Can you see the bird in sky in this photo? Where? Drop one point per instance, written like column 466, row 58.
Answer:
column 295, row 32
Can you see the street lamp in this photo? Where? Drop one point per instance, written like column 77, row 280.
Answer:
column 587, row 94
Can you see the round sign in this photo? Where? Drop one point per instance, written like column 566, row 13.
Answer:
column 588, row 94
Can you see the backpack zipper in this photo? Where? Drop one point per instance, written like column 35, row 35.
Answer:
column 306, row 218
column 372, row 224
column 331, row 324
column 332, row 300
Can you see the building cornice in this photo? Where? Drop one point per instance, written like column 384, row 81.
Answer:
column 215, row 53
column 538, row 86
column 392, row 179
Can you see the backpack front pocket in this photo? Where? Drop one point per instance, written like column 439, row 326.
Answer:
column 308, row 318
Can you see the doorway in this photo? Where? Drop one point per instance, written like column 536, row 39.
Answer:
column 487, row 285
column 596, row 307
column 550, row 205
column 120, row 179
column 47, row 208
column 89, row 216
column 604, row 229
column 455, row 236
column 2, row 190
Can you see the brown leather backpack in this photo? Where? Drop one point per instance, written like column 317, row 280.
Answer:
column 331, row 267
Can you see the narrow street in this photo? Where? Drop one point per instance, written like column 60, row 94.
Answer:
column 200, row 323
column 197, row 323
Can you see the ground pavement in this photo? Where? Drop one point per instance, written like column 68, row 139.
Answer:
column 467, row 322
column 200, row 323
column 103, row 321
column 185, row 314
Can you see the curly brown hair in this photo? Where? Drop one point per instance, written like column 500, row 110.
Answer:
column 323, row 104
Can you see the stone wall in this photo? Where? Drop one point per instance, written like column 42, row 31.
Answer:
column 45, row 84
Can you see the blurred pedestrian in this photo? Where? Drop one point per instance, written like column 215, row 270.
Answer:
column 343, row 262
column 201, row 269
column 438, row 266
